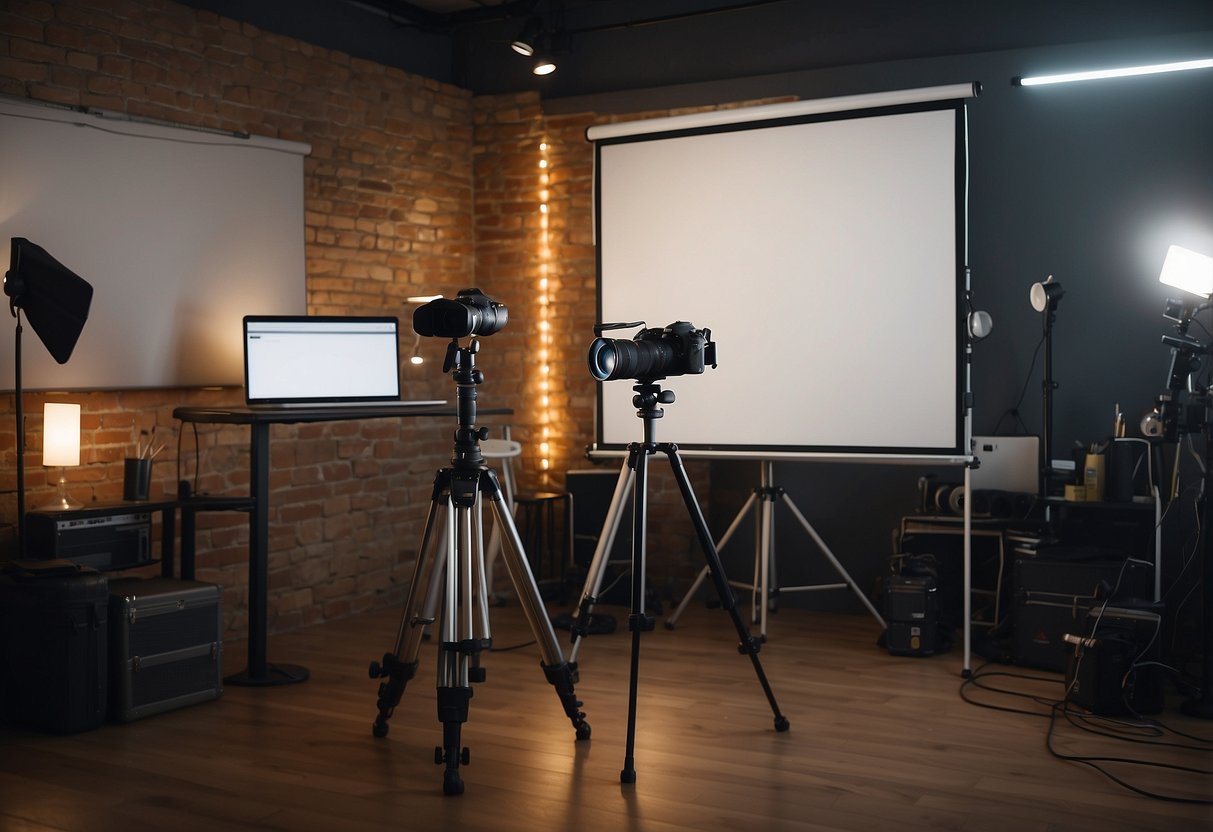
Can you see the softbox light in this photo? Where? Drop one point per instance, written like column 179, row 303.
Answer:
column 55, row 299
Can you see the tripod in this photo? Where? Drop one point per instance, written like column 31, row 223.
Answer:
column 763, row 500
column 464, row 632
column 648, row 396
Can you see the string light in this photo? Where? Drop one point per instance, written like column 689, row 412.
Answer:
column 544, row 298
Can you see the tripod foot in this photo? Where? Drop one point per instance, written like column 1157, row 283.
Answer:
column 451, row 782
column 398, row 674
column 782, row 724
column 561, row 677
column 669, row 625
column 628, row 775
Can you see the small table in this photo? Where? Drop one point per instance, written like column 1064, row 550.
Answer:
column 260, row 672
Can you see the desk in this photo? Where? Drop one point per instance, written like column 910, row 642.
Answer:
column 259, row 671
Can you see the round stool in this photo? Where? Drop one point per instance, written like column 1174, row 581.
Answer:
column 548, row 541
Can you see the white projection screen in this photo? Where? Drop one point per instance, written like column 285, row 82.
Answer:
column 823, row 245
column 181, row 232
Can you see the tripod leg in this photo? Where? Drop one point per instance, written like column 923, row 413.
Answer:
column 597, row 570
column 703, row 573
column 637, row 621
column 557, row 671
column 399, row 666
column 458, row 644
column 748, row 645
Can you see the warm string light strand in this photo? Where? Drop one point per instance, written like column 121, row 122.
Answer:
column 544, row 297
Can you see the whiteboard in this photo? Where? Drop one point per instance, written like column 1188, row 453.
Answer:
column 181, row 233
column 825, row 253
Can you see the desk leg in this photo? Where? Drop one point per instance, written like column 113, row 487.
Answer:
column 259, row 671
column 168, row 539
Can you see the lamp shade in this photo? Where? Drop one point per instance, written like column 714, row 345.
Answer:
column 55, row 299
column 1046, row 294
column 1188, row 270
column 60, row 434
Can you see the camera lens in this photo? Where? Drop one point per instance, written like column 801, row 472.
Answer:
column 444, row 318
column 469, row 313
column 612, row 359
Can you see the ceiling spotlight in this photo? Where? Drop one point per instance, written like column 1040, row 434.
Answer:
column 524, row 43
column 544, row 65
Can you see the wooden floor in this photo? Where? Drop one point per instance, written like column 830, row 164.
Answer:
column 876, row 742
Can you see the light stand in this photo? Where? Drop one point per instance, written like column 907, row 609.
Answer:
column 56, row 302
column 1044, row 297
column 1202, row 705
column 1193, row 272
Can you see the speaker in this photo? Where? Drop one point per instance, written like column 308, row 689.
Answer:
column 1113, row 668
column 1052, row 598
column 911, row 608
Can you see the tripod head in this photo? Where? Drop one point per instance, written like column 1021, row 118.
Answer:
column 460, row 362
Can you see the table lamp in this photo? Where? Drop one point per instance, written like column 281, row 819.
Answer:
column 61, row 446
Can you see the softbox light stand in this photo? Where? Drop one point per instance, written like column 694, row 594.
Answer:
column 55, row 301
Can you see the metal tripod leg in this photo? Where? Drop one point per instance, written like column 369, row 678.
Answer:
column 821, row 544
column 703, row 573
column 764, row 556
column 464, row 625
column 598, row 564
column 400, row 665
column 638, row 622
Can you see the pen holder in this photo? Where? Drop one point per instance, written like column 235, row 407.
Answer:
column 136, row 478
column 1093, row 477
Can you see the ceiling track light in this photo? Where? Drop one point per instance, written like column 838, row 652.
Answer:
column 528, row 36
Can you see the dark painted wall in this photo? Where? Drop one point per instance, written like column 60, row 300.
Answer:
column 1088, row 182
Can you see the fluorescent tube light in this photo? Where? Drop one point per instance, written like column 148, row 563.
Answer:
column 1123, row 72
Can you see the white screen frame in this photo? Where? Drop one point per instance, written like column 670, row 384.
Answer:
column 685, row 207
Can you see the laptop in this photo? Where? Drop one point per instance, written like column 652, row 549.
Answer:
column 1008, row 463
column 323, row 361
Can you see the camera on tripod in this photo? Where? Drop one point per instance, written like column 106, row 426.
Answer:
column 470, row 312
column 678, row 349
column 1181, row 408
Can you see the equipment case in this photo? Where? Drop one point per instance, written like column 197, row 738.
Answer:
column 1053, row 596
column 166, row 649
column 53, row 645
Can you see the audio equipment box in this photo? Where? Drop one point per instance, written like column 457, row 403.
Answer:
column 912, row 612
column 104, row 538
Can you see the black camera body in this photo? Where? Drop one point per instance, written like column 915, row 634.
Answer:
column 678, row 349
column 470, row 312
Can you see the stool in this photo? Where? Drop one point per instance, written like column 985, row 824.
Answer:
column 549, row 546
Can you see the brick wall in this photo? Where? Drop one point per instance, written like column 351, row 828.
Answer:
column 388, row 202
column 412, row 187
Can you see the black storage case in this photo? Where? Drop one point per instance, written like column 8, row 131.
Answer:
column 53, row 668
column 912, row 611
column 166, row 649
column 1115, row 668
column 1053, row 596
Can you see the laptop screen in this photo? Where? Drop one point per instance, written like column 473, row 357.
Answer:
column 1008, row 463
column 320, row 359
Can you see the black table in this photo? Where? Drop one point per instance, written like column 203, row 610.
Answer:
column 260, row 672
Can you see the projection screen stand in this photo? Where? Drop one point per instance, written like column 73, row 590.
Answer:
column 763, row 500
column 763, row 558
